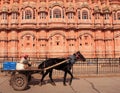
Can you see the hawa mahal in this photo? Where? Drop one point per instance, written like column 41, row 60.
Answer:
column 56, row 28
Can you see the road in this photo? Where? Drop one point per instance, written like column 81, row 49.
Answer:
column 80, row 85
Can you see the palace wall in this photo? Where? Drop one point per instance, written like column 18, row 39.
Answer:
column 58, row 28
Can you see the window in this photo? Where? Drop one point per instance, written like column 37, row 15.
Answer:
column 118, row 16
column 57, row 43
column 86, row 37
column 28, row 14
column 14, row 15
column 78, row 14
column 22, row 15
column 42, row 15
column 70, row 15
column 63, row 13
column 86, row 43
column 4, row 16
column 50, row 13
column 84, row 15
column 114, row 16
column 97, row 16
column 33, row 14
column 33, row 44
column 80, row 38
column 27, row 44
column 28, row 37
column 71, row 44
column 106, row 16
column 56, row 13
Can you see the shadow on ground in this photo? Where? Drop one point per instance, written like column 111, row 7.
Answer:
column 35, row 81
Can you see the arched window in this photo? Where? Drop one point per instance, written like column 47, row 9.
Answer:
column 56, row 13
column 118, row 16
column 84, row 15
column 28, row 14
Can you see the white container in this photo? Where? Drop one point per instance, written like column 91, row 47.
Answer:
column 20, row 66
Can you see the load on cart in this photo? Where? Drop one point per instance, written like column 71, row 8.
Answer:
column 21, row 76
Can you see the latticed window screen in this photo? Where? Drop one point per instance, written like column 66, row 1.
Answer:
column 28, row 14
column 14, row 16
column 56, row 13
column 84, row 15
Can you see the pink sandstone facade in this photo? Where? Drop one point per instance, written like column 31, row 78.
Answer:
column 56, row 28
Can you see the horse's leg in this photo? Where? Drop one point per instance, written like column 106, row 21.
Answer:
column 71, row 77
column 43, row 76
column 50, row 76
column 64, row 81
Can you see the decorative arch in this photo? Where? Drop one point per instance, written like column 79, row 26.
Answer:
column 84, row 5
column 57, row 12
column 56, row 4
column 28, row 4
column 28, row 13
column 57, row 34
column 85, row 34
column 28, row 34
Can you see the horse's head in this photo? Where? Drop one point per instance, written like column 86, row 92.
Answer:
column 79, row 56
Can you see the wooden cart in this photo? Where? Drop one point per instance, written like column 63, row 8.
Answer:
column 20, row 78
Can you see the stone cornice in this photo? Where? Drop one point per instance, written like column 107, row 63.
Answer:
column 65, row 27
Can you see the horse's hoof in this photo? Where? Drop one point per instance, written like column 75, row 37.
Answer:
column 65, row 84
column 53, row 83
column 40, row 84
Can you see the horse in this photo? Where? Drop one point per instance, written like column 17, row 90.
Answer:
column 66, row 67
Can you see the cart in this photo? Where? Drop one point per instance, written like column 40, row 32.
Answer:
column 20, row 78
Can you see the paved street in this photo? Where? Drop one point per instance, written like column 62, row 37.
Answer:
column 79, row 85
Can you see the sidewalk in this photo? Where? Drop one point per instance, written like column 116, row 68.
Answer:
column 79, row 85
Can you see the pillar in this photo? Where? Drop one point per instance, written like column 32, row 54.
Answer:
column 3, row 43
column 99, row 44
column 109, row 44
column 13, row 44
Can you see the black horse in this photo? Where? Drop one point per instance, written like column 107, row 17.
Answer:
column 66, row 67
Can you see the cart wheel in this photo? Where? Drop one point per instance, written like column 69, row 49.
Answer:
column 19, row 82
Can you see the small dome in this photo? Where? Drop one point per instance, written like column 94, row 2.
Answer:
column 15, row 8
column 106, row 9
column 42, row 7
column 97, row 9
column 5, row 8
column 70, row 8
